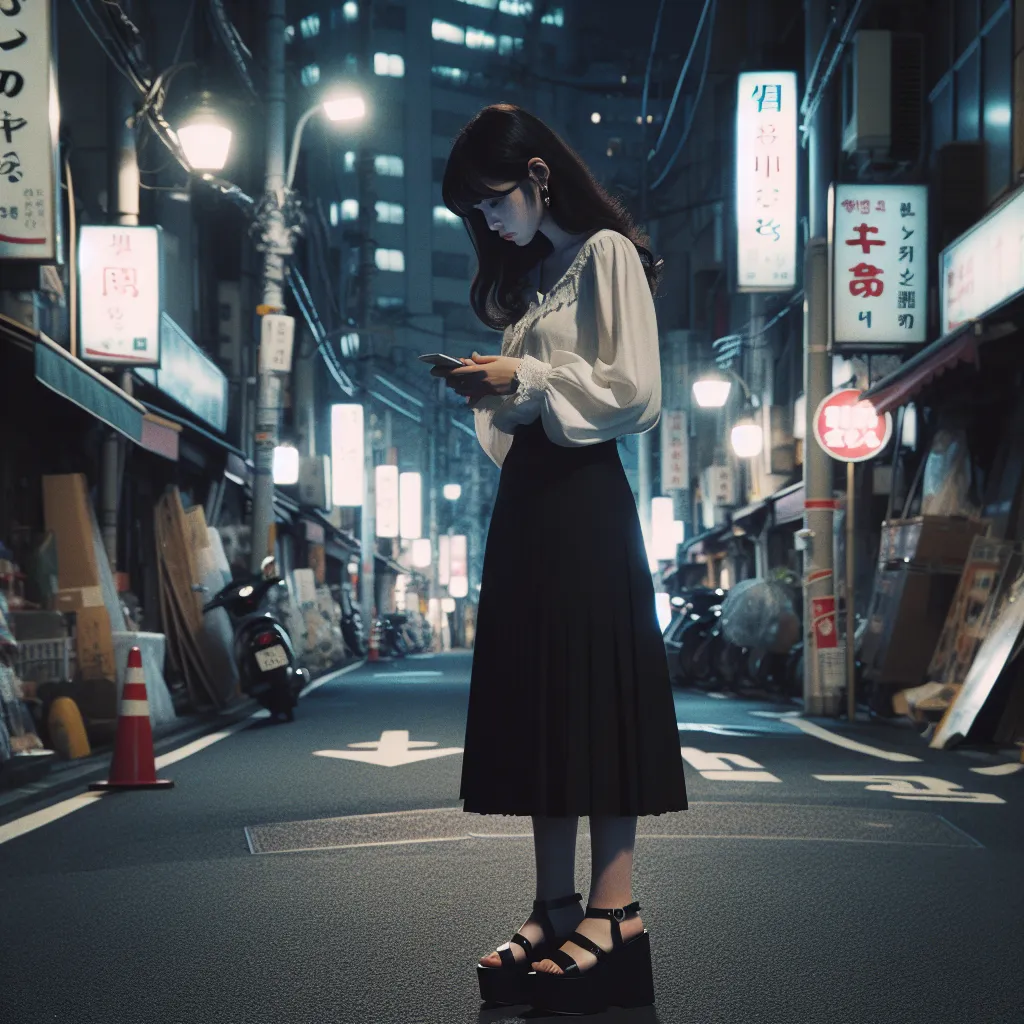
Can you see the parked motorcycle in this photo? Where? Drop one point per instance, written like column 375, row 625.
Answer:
column 351, row 622
column 262, row 647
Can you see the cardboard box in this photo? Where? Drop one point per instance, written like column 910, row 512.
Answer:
column 66, row 511
column 77, row 599
column 94, row 644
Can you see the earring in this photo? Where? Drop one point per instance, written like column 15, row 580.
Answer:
column 544, row 195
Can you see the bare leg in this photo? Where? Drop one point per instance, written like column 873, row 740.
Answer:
column 554, row 846
column 611, row 847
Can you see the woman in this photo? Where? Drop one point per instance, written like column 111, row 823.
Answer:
column 570, row 706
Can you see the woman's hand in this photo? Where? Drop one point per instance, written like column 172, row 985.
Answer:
column 492, row 374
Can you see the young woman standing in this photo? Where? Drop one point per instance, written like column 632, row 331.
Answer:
column 570, row 708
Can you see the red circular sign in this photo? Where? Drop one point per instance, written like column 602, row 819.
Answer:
column 849, row 429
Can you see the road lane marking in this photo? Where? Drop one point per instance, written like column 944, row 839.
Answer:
column 719, row 730
column 393, row 749
column 1000, row 769
column 813, row 729
column 330, row 677
column 37, row 819
column 917, row 787
column 716, row 767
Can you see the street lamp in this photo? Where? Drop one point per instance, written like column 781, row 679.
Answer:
column 453, row 491
column 205, row 137
column 712, row 391
column 346, row 105
column 747, row 438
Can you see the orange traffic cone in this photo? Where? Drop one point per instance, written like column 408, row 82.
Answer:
column 374, row 654
column 133, row 766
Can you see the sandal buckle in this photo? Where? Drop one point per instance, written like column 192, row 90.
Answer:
column 619, row 914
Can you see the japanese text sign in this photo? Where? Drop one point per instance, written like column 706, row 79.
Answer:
column 880, row 264
column 766, row 180
column 849, row 429
column 675, row 462
column 984, row 267
column 119, row 272
column 29, row 125
column 387, row 500
column 277, row 334
column 348, row 477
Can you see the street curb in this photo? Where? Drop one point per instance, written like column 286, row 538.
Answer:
column 69, row 775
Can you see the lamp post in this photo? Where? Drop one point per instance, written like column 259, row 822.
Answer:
column 712, row 391
column 277, row 243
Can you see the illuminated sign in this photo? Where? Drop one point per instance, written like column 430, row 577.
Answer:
column 766, row 179
column 347, row 476
column 879, row 236
column 850, row 430
column 387, row 501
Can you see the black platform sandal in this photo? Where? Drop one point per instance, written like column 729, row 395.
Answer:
column 504, row 984
column 622, row 977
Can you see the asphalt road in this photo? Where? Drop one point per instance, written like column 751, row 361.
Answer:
column 822, row 872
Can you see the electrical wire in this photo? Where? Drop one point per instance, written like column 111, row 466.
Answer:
column 696, row 99
column 650, row 61
column 708, row 4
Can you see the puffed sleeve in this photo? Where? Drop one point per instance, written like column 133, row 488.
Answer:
column 493, row 441
column 611, row 385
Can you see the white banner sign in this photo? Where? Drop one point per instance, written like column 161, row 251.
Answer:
column 458, row 564
column 766, row 180
column 119, row 284
column 880, row 264
column 444, row 559
column 387, row 501
column 675, row 462
column 277, row 336
column 984, row 267
column 347, row 476
column 29, row 126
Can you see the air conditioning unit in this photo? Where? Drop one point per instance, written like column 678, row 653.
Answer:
column 315, row 481
column 883, row 95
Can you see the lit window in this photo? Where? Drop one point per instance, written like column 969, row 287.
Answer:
column 488, row 4
column 335, row 215
column 349, row 344
column 289, row 33
column 310, row 26
column 350, row 161
column 310, row 75
column 521, row 8
column 390, row 64
column 450, row 74
column 446, row 32
column 556, row 17
column 506, row 44
column 390, row 259
column 351, row 10
column 595, row 117
column 350, row 209
column 390, row 213
column 443, row 217
column 390, row 302
column 478, row 39
column 389, row 166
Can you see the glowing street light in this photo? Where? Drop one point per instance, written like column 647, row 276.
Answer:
column 711, row 392
column 747, row 438
column 343, row 105
column 205, row 137
column 286, row 465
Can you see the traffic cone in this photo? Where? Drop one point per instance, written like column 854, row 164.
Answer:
column 374, row 654
column 133, row 766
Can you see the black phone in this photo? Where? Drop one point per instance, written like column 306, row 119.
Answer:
column 440, row 359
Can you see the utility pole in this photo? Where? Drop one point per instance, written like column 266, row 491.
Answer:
column 364, row 287
column 276, row 244
column 821, row 679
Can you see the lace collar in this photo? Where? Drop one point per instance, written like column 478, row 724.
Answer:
column 565, row 289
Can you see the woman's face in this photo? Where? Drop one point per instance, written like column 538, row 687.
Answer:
column 515, row 216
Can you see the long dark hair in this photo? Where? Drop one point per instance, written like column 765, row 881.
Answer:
column 496, row 146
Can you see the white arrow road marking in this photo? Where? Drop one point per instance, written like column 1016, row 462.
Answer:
column 813, row 729
column 716, row 767
column 394, row 748
column 917, row 787
column 1000, row 769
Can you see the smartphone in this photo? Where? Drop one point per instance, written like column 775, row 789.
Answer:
column 440, row 359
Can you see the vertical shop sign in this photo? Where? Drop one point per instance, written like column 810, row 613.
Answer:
column 675, row 463
column 119, row 272
column 880, row 265
column 29, row 126
column 766, row 179
column 387, row 501
column 348, row 479
column 458, row 555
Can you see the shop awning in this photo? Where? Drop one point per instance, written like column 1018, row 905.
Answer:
column 59, row 371
column 386, row 564
column 788, row 504
column 751, row 518
column 186, row 424
column 709, row 539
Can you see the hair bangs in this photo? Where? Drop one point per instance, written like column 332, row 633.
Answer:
column 465, row 183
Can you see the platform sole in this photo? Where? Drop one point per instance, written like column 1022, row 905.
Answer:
column 623, row 978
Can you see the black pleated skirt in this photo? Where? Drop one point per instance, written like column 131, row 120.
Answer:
column 570, row 705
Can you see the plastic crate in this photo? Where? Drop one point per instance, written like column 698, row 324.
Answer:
column 45, row 661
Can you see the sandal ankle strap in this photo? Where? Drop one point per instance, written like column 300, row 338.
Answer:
column 615, row 915
column 557, row 904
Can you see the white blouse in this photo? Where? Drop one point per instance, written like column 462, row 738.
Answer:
column 589, row 348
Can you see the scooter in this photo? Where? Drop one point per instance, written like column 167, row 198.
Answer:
column 263, row 649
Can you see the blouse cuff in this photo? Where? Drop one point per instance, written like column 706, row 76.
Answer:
column 533, row 375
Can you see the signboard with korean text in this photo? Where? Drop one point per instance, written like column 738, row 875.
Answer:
column 880, row 265
column 984, row 267
column 120, row 289
column 189, row 376
column 766, row 181
column 29, row 127
column 849, row 429
column 675, row 462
